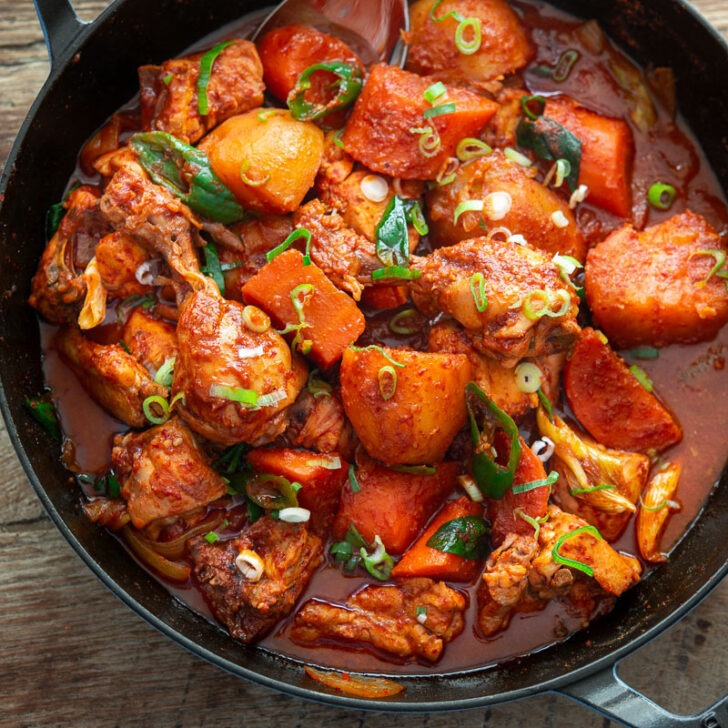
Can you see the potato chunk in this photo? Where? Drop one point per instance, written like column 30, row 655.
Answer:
column 408, row 412
column 651, row 287
column 269, row 163
column 530, row 209
column 388, row 133
column 504, row 46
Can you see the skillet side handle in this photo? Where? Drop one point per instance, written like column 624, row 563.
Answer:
column 60, row 26
column 609, row 695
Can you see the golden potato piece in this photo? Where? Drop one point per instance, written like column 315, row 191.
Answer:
column 405, row 406
column 269, row 162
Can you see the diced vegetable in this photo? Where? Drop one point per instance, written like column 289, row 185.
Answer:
column 611, row 403
column 411, row 415
column 423, row 560
column 269, row 165
column 393, row 505
column 321, row 478
column 388, row 132
column 332, row 321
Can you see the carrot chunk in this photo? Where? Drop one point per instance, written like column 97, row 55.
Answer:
column 611, row 403
column 321, row 478
column 502, row 513
column 388, row 132
column 606, row 153
column 391, row 504
column 422, row 560
column 332, row 319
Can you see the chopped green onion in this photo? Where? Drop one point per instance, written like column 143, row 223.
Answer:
column 353, row 482
column 430, row 142
column 534, row 522
column 415, row 469
column 563, row 170
column 297, row 234
column 719, row 257
column 468, row 47
column 644, row 352
column 528, row 377
column 515, row 156
column 421, row 611
column 396, row 271
column 641, row 376
column 477, row 290
column 469, row 148
column 246, row 397
column 330, row 462
column 124, row 346
column 414, row 215
column 434, row 92
column 665, row 503
column 546, row 404
column 661, row 195
column 462, row 536
column 387, row 380
column 592, row 489
column 211, row 537
column 337, row 138
column 552, row 477
column 545, row 309
column 168, row 79
column 244, row 167
column 467, row 206
column 559, row 559
column 452, row 14
column 565, row 64
column 317, row 387
column 159, row 402
column 434, row 111
column 165, row 372
column 378, row 348
column 395, row 323
column 203, row 80
column 567, row 265
column 538, row 101
column 379, row 563
column 349, row 84
column 263, row 114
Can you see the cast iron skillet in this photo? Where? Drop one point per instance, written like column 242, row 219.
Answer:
column 93, row 71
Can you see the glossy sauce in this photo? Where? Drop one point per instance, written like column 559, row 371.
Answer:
column 690, row 380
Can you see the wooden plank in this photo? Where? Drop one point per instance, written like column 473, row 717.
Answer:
column 73, row 655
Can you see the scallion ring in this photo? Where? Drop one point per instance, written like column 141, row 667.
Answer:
column 244, row 167
column 641, row 376
column 565, row 64
column 387, row 380
column 528, row 377
column 436, row 91
column 549, row 480
column 378, row 348
column 477, row 289
column 452, row 14
column 203, row 80
column 592, row 489
column 527, row 102
column 719, row 256
column 297, row 234
column 395, row 323
column 396, row 271
column 467, row 206
column 515, row 156
column 468, row 47
column 470, row 148
column 159, row 403
column 429, row 142
column 255, row 320
column 661, row 195
column 535, row 522
column 545, row 305
column 165, row 372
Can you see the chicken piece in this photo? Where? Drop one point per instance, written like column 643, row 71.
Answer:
column 151, row 340
column 125, row 267
column 111, row 513
column 346, row 257
column 498, row 382
column 336, row 164
column 512, row 199
column 504, row 46
column 613, row 571
column 254, row 580
column 111, row 376
column 237, row 382
column 318, row 422
column 169, row 93
column 163, row 472
column 655, row 287
column 414, row 619
column 59, row 289
column 501, row 131
column 600, row 485
column 656, row 506
column 527, row 309
column 156, row 219
column 504, row 582
column 254, row 239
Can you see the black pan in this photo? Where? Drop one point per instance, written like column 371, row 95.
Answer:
column 93, row 72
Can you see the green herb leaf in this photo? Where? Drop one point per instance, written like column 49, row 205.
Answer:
column 550, row 140
column 392, row 244
column 462, row 536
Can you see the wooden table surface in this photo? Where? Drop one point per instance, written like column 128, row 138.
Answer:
column 72, row 655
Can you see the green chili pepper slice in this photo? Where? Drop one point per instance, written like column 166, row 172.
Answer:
column 349, row 85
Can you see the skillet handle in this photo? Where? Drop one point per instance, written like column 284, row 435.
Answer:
column 608, row 694
column 60, row 26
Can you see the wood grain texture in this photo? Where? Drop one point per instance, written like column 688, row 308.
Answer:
column 72, row 655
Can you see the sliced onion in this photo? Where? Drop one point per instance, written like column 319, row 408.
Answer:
column 578, row 195
column 559, row 219
column 497, row 205
column 469, row 485
column 294, row 515
column 543, row 449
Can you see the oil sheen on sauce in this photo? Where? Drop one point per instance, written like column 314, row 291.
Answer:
column 690, row 380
